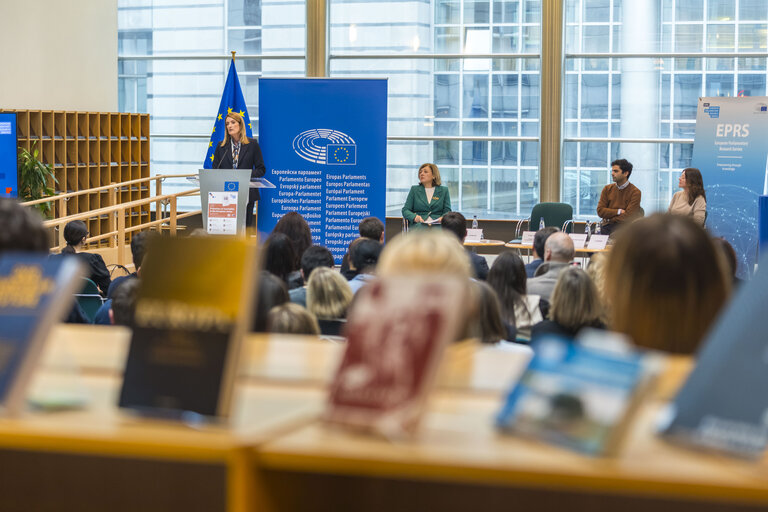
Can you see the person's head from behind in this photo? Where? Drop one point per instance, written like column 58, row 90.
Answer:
column 508, row 279
column 328, row 294
column 139, row 248
column 124, row 303
column 315, row 257
column 293, row 225
column 729, row 253
column 22, row 228
column 574, row 301
column 291, row 318
column 371, row 227
column 596, row 271
column 75, row 234
column 432, row 252
column 279, row 255
column 486, row 324
column 364, row 255
column 666, row 282
column 540, row 238
column 621, row 170
column 456, row 223
column 558, row 248
column 271, row 292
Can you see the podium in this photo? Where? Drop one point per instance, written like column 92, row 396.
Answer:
column 224, row 197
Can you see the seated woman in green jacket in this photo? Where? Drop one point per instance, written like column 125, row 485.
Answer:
column 429, row 200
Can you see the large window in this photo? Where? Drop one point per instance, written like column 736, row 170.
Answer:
column 465, row 84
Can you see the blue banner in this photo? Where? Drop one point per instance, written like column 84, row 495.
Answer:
column 231, row 101
column 731, row 152
column 9, row 151
column 324, row 143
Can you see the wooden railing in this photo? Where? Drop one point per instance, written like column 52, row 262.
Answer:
column 115, row 211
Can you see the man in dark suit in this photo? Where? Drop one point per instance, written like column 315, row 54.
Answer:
column 456, row 223
column 237, row 151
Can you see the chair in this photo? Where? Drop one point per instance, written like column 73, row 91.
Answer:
column 89, row 299
column 405, row 225
column 554, row 214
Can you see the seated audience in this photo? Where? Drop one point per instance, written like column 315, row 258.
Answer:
column 692, row 200
column 666, row 282
column 731, row 260
column 291, row 318
column 575, row 304
column 123, row 303
column 293, row 225
column 456, row 223
column 314, row 257
column 280, row 260
column 364, row 255
column 519, row 310
column 596, row 272
column 539, row 240
column 328, row 297
column 428, row 252
column 558, row 254
column 272, row 292
column 138, row 249
column 369, row 227
column 486, row 324
column 75, row 234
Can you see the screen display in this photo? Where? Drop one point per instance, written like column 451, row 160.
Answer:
column 9, row 183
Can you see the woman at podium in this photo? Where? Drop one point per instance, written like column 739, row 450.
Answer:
column 237, row 151
column 428, row 201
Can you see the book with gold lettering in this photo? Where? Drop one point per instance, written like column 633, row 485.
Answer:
column 396, row 335
column 191, row 315
column 35, row 292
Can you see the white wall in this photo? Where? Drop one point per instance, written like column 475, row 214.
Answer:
column 58, row 55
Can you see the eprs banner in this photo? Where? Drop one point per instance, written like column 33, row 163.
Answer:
column 324, row 143
column 730, row 151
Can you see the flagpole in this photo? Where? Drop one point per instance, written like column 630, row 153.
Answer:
column 233, row 56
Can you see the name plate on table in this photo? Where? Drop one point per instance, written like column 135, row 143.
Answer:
column 597, row 242
column 191, row 315
column 474, row 235
column 579, row 240
column 528, row 237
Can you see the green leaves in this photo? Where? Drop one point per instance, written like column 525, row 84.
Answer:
column 34, row 177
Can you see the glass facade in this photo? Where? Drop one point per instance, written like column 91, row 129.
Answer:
column 465, row 84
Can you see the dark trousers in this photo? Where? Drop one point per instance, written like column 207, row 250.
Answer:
column 250, row 220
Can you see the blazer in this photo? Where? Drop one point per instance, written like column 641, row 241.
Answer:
column 416, row 203
column 249, row 158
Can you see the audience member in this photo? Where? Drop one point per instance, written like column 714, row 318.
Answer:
column 271, row 292
column 519, row 310
column 539, row 240
column 620, row 201
column 314, row 257
column 428, row 252
column 364, row 255
column 666, row 282
column 575, row 304
column 692, row 200
column 731, row 260
column 123, row 303
column 280, row 258
column 456, row 223
column 75, row 234
column 369, row 227
column 486, row 324
column 291, row 318
column 596, row 272
column 328, row 297
column 138, row 249
column 293, row 225
column 558, row 253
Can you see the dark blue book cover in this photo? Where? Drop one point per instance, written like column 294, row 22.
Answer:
column 35, row 292
column 723, row 404
column 575, row 396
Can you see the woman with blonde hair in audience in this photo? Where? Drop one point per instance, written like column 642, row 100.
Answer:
column 666, row 283
column 428, row 252
column 328, row 297
column 575, row 304
column 692, row 200
column 596, row 272
column 291, row 318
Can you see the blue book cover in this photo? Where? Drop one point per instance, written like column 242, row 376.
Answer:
column 723, row 405
column 35, row 292
column 575, row 396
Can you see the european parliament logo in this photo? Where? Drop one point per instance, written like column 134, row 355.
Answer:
column 712, row 111
column 325, row 146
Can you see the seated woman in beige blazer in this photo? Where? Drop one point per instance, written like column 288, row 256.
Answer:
column 692, row 200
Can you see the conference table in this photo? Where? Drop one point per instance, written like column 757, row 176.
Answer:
column 277, row 454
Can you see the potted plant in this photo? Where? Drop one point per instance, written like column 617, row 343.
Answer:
column 34, row 177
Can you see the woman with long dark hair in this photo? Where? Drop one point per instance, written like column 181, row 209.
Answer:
column 692, row 200
column 75, row 234
column 280, row 260
column 508, row 278
column 293, row 225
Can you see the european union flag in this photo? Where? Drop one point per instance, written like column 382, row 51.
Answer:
column 341, row 154
column 231, row 101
